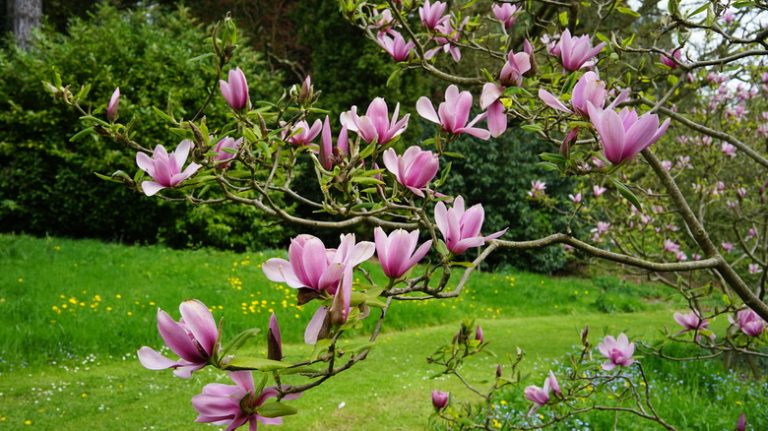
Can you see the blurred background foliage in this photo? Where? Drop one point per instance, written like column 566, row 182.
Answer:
column 47, row 186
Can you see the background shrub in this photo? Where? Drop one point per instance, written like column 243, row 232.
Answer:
column 46, row 181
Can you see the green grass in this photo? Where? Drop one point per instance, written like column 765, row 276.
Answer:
column 63, row 298
column 75, row 368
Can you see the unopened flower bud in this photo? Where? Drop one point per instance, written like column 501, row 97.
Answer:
column 440, row 399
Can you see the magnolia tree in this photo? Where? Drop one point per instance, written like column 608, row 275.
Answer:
column 665, row 134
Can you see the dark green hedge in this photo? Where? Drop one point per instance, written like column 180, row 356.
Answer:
column 47, row 184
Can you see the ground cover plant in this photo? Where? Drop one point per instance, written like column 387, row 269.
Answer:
column 602, row 105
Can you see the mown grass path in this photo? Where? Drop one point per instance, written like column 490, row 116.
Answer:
column 389, row 391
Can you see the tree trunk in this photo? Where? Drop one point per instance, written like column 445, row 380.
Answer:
column 25, row 16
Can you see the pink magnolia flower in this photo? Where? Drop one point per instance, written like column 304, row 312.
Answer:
column 312, row 266
column 114, row 103
column 460, row 228
column 672, row 60
column 479, row 335
column 194, row 338
column 624, row 134
column 336, row 314
column 235, row 405
column 302, row 134
column 728, row 149
column 538, row 189
column 235, row 90
column 598, row 190
column 729, row 17
column 306, row 91
column 432, row 14
column 516, row 66
column 691, row 321
column 395, row 45
column 752, row 233
column 666, row 165
column 681, row 256
column 440, row 399
column 540, row 395
column 506, row 13
column 274, row 340
column 329, row 155
column 755, row 268
column 741, row 424
column 446, row 41
column 575, row 198
column 576, row 52
column 617, row 351
column 671, row 246
column 727, row 246
column 376, row 125
column 414, row 169
column 490, row 100
column 749, row 322
column 453, row 113
column 397, row 252
column 588, row 89
column 226, row 150
column 164, row 168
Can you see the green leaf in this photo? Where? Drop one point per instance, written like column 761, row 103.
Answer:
column 627, row 11
column 627, row 193
column 367, row 151
column 563, row 18
column 548, row 166
column 699, row 10
column 81, row 134
column 532, row 127
column 261, row 364
column 454, row 155
column 239, row 340
column 394, row 76
column 741, row 4
column 552, row 157
column 276, row 409
column 442, row 248
column 366, row 180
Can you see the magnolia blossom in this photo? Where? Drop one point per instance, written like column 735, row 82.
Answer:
column 755, row 268
column 302, row 134
column 671, row 60
column 274, row 340
column 506, row 13
column 312, row 266
column 328, row 155
column 235, row 405
column 376, row 125
column 397, row 252
column 589, row 89
column 114, row 102
column 575, row 198
column 490, row 100
column 479, row 335
column 460, row 228
column 624, row 134
column 453, row 113
column 691, row 321
column 440, row 399
column 235, row 89
column 576, row 52
column 752, row 233
column 538, row 189
column 516, row 66
column 618, row 351
column 194, row 338
column 164, row 168
column 395, row 45
column 598, row 190
column 447, row 39
column 728, row 149
column 727, row 246
column 226, row 150
column 749, row 322
column 432, row 14
column 671, row 246
column 414, row 169
column 541, row 395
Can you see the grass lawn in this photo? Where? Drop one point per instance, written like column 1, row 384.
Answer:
column 74, row 367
